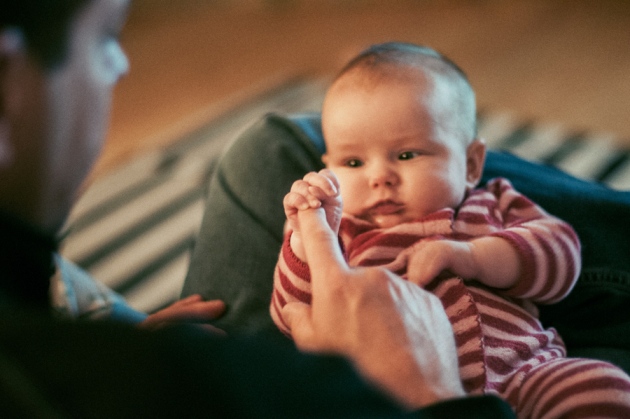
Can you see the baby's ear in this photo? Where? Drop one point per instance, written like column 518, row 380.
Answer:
column 325, row 159
column 475, row 158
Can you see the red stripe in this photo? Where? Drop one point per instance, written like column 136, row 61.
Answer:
column 462, row 338
column 514, row 395
column 528, row 261
column 571, row 256
column 524, row 373
column 295, row 265
column 281, row 301
column 521, row 349
column 292, row 290
column 506, row 307
column 483, row 200
column 367, row 241
column 470, row 358
column 551, row 278
column 600, row 410
column 453, row 294
column 514, row 330
column 278, row 302
column 545, row 371
column 477, row 219
column 469, row 311
column 474, row 384
column 498, row 365
column 587, row 385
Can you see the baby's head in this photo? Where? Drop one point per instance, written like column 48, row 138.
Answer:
column 399, row 123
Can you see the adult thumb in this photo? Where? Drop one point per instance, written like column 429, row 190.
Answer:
column 297, row 316
column 321, row 245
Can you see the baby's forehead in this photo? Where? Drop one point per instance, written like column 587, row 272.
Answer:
column 430, row 86
column 366, row 77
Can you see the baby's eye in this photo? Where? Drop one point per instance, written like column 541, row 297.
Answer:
column 354, row 163
column 407, row 155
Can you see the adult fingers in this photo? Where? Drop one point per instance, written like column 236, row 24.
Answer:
column 213, row 329
column 321, row 247
column 188, row 310
column 188, row 300
column 298, row 318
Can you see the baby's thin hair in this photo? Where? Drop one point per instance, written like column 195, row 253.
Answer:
column 402, row 53
column 392, row 58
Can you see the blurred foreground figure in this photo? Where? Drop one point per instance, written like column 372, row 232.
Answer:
column 59, row 61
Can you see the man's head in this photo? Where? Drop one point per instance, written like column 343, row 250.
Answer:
column 43, row 24
column 59, row 61
column 400, row 128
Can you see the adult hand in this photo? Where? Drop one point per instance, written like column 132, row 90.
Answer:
column 192, row 309
column 396, row 333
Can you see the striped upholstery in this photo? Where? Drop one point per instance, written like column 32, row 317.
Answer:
column 133, row 228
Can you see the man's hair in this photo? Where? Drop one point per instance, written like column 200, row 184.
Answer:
column 394, row 59
column 44, row 25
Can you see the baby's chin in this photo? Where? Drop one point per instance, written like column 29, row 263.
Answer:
column 389, row 220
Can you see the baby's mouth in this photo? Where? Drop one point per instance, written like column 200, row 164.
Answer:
column 387, row 207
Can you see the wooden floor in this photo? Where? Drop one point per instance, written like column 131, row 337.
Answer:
column 557, row 61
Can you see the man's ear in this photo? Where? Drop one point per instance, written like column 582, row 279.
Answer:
column 475, row 159
column 12, row 52
column 11, row 49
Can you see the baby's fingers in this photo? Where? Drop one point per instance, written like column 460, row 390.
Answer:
column 302, row 187
column 297, row 202
column 419, row 272
column 324, row 181
column 321, row 195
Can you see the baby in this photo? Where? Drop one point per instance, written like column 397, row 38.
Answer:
column 399, row 123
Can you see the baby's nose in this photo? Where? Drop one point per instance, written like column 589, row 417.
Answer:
column 383, row 177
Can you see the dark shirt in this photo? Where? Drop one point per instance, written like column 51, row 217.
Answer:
column 55, row 368
column 26, row 263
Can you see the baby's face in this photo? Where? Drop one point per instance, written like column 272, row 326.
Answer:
column 395, row 154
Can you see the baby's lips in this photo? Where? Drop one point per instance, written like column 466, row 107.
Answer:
column 386, row 208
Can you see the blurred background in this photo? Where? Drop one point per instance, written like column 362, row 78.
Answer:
column 565, row 61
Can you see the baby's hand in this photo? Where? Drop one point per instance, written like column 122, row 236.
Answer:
column 490, row 260
column 315, row 190
column 431, row 258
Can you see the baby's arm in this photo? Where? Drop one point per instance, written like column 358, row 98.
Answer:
column 547, row 247
column 531, row 255
column 315, row 190
column 490, row 260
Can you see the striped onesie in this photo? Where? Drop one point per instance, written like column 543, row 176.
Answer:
column 502, row 347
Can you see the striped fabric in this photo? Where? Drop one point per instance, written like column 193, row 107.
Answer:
column 134, row 227
column 501, row 346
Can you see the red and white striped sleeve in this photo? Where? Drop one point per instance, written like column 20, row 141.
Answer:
column 548, row 247
column 291, row 283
